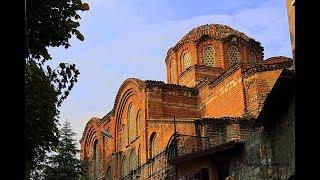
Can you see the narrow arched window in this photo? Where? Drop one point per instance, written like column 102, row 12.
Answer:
column 234, row 56
column 139, row 121
column 186, row 60
column 173, row 71
column 209, row 56
column 133, row 160
column 153, row 146
column 252, row 58
column 132, row 123
column 96, row 160
column 124, row 166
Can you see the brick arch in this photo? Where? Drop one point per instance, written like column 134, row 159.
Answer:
column 90, row 134
column 152, row 145
column 130, row 91
column 189, row 47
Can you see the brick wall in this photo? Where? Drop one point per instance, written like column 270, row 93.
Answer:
column 256, row 87
column 220, row 101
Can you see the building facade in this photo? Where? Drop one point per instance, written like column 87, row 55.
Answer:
column 217, row 83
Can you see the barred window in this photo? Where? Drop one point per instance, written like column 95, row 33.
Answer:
column 133, row 160
column 132, row 123
column 186, row 60
column 209, row 56
column 252, row 58
column 234, row 56
column 173, row 71
column 139, row 121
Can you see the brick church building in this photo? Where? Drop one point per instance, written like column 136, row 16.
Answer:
column 209, row 121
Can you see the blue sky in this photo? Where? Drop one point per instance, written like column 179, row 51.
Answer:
column 130, row 38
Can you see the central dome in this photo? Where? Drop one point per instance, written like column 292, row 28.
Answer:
column 207, row 51
column 215, row 31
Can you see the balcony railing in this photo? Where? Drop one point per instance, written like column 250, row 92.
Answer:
column 156, row 168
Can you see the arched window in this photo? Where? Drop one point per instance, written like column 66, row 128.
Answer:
column 186, row 59
column 209, row 56
column 153, row 146
column 133, row 160
column 124, row 166
column 132, row 123
column 109, row 175
column 173, row 71
column 123, row 136
column 139, row 121
column 96, row 160
column 252, row 58
column 234, row 56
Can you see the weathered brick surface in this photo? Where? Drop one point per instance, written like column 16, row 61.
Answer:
column 269, row 154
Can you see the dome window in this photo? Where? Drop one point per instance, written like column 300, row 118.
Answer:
column 186, row 60
column 252, row 58
column 209, row 56
column 234, row 56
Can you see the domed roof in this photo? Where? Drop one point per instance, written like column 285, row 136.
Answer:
column 215, row 31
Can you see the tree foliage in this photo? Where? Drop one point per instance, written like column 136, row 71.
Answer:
column 49, row 23
column 40, row 115
column 63, row 164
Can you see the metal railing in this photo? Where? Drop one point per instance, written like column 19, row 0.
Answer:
column 156, row 168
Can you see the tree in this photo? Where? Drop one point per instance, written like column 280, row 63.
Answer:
column 49, row 23
column 40, row 116
column 63, row 164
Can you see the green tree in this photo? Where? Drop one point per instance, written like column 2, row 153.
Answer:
column 40, row 116
column 63, row 164
column 48, row 23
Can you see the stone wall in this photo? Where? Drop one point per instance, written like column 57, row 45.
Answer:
column 269, row 153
